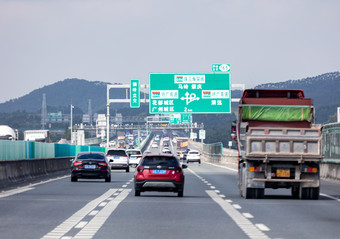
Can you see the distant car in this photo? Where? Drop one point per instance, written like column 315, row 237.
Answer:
column 166, row 151
column 135, row 156
column 154, row 145
column 90, row 165
column 118, row 159
column 157, row 138
column 165, row 144
column 193, row 156
column 166, row 138
column 161, row 172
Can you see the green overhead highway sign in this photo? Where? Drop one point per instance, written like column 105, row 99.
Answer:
column 221, row 67
column 134, row 94
column 195, row 93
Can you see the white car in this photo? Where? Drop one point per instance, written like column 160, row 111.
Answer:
column 194, row 156
column 135, row 156
column 154, row 145
column 118, row 159
column 166, row 151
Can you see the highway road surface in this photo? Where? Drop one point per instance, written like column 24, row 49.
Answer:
column 211, row 208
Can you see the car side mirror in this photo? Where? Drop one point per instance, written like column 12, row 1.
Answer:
column 184, row 166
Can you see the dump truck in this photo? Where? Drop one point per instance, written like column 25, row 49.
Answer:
column 182, row 144
column 121, row 141
column 279, row 146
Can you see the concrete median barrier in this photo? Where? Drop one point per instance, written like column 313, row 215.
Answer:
column 15, row 171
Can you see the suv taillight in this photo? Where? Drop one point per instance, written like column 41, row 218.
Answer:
column 178, row 169
column 77, row 164
column 140, row 169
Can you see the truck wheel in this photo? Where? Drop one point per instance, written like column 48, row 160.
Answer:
column 315, row 192
column 249, row 193
column 137, row 193
column 74, row 179
column 258, row 193
column 296, row 192
column 180, row 194
column 310, row 193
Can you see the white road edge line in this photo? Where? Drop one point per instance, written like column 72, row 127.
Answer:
column 244, row 224
column 329, row 196
column 220, row 166
column 28, row 187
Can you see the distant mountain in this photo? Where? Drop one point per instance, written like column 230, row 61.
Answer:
column 61, row 94
column 323, row 89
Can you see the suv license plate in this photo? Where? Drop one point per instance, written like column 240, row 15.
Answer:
column 283, row 173
column 156, row 171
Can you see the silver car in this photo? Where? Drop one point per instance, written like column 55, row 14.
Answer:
column 135, row 156
column 118, row 159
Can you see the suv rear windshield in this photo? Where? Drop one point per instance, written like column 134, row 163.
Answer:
column 116, row 152
column 160, row 160
column 134, row 152
column 193, row 152
column 98, row 157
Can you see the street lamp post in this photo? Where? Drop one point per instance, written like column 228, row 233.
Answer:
column 71, row 124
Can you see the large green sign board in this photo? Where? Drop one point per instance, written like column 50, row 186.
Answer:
column 195, row 93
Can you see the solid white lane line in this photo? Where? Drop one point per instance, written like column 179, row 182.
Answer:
column 220, row 166
column 98, row 221
column 247, row 215
column 69, row 223
column 246, row 226
column 329, row 196
column 28, row 187
column 15, row 191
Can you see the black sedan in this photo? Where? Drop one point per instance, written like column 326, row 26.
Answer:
column 90, row 165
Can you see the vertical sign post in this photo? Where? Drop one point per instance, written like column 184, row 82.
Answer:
column 134, row 94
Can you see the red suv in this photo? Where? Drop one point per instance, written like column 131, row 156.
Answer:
column 161, row 172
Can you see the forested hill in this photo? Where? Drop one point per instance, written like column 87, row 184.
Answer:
column 62, row 94
column 323, row 89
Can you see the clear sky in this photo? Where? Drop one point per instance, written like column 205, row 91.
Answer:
column 45, row 41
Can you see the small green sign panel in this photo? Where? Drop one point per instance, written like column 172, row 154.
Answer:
column 180, row 119
column 221, row 67
column 194, row 93
column 134, row 94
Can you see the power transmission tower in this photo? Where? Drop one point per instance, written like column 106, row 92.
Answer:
column 43, row 112
column 89, row 111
